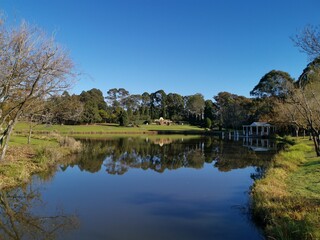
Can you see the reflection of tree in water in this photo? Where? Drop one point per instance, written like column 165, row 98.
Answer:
column 119, row 155
column 18, row 222
column 233, row 156
column 91, row 157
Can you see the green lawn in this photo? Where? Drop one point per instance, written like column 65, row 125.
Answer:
column 35, row 140
column 305, row 182
column 105, row 128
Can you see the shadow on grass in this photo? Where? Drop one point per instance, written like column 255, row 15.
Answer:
column 309, row 164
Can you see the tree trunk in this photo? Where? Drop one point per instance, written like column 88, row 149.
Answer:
column 29, row 135
column 315, row 138
column 6, row 139
column 297, row 131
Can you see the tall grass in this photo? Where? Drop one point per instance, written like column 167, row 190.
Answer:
column 22, row 160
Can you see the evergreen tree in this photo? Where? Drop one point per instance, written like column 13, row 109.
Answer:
column 123, row 119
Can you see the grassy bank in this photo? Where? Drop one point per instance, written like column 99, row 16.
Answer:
column 287, row 200
column 23, row 160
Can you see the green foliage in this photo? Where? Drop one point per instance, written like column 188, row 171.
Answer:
column 195, row 104
column 64, row 109
column 91, row 113
column 233, row 110
column 158, row 104
column 273, row 84
column 123, row 119
column 93, row 104
column 209, row 110
column 208, row 123
column 310, row 73
column 175, row 106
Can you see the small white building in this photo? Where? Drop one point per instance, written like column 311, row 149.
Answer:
column 162, row 121
column 258, row 129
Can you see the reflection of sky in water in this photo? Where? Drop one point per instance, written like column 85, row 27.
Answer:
column 184, row 203
column 180, row 204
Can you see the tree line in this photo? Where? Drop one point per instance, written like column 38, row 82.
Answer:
column 119, row 106
column 35, row 73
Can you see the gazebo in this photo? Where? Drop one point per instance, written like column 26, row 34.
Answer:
column 258, row 129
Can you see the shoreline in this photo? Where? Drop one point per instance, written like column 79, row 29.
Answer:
column 24, row 160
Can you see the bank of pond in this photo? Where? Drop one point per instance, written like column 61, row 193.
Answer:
column 143, row 187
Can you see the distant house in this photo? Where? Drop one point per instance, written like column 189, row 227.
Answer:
column 258, row 129
column 162, row 121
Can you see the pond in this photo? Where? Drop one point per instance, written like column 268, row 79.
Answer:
column 155, row 187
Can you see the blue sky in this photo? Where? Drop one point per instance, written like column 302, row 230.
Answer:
column 182, row 46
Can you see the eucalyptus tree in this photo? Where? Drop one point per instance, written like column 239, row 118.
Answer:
column 145, row 105
column 158, row 104
column 195, row 106
column 309, row 72
column 175, row 106
column 232, row 110
column 132, row 105
column 273, row 84
column 32, row 67
column 117, row 97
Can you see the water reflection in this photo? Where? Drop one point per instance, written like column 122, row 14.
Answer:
column 119, row 155
column 18, row 219
column 259, row 144
column 141, row 204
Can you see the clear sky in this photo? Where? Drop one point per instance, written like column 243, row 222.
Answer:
column 182, row 46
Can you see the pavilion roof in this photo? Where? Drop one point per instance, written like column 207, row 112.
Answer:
column 259, row 124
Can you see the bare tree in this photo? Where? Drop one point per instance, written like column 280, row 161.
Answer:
column 301, row 109
column 308, row 40
column 304, row 101
column 32, row 67
column 35, row 115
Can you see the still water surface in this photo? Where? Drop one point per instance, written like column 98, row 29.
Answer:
column 140, row 188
